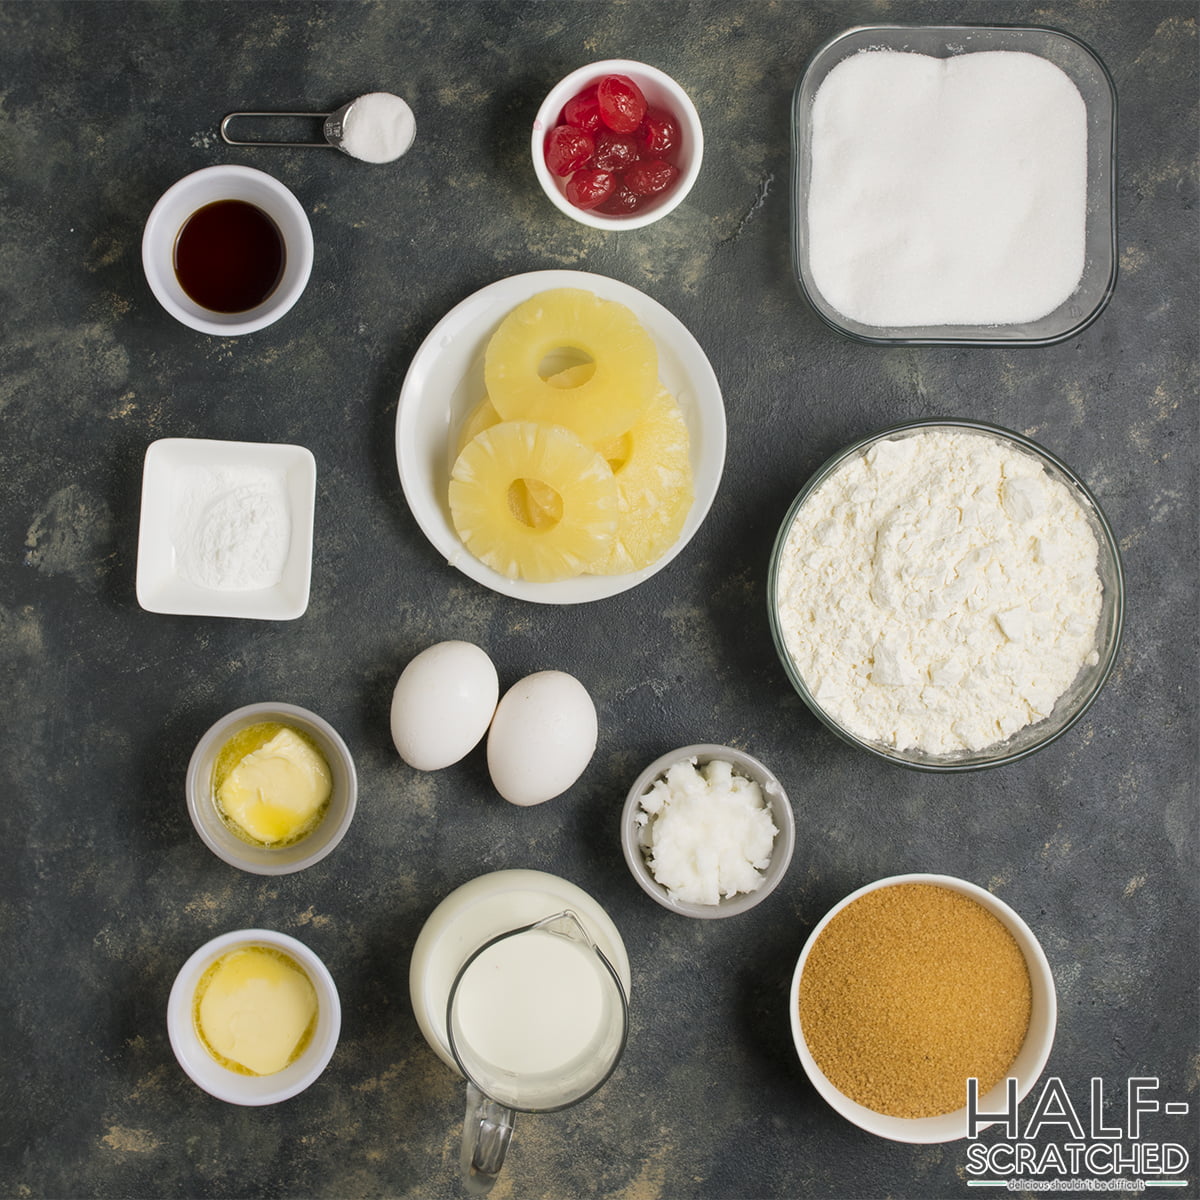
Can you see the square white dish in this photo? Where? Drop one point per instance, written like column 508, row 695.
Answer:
column 162, row 588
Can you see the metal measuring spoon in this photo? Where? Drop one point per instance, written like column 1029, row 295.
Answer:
column 377, row 127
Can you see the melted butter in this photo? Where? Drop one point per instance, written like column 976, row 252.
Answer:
column 255, row 1010
column 272, row 784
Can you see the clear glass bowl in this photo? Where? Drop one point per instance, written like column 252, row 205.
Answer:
column 1096, row 87
column 1070, row 706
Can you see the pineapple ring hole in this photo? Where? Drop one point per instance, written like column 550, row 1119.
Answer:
column 563, row 367
column 617, row 451
column 534, row 503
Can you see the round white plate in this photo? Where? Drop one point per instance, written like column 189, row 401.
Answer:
column 445, row 381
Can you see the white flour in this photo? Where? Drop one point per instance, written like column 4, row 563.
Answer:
column 231, row 528
column 939, row 592
column 947, row 191
column 379, row 127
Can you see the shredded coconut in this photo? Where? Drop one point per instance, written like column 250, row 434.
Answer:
column 947, row 191
column 231, row 528
column 939, row 592
column 379, row 127
column 706, row 832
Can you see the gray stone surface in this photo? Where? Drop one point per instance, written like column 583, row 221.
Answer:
column 105, row 888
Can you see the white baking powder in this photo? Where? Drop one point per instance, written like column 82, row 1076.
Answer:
column 231, row 528
column 378, row 128
column 947, row 191
column 939, row 592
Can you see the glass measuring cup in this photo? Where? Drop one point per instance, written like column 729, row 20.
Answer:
column 537, row 1019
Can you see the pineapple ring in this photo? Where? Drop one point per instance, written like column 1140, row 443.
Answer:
column 653, row 472
column 625, row 362
column 530, row 500
column 482, row 509
column 484, row 415
column 654, row 487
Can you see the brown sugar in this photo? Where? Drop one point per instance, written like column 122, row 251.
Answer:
column 908, row 992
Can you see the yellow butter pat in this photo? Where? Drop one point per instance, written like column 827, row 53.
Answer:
column 277, row 791
column 255, row 1010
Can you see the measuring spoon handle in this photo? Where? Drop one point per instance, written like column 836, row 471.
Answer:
column 235, row 116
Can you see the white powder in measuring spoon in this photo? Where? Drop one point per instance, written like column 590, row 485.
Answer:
column 378, row 128
column 231, row 528
column 947, row 191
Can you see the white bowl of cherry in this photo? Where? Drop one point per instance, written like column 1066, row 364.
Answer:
column 617, row 145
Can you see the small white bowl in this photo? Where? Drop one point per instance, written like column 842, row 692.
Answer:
column 207, row 186
column 160, row 586
column 271, row 860
column 781, row 812
column 445, row 382
column 661, row 91
column 231, row 1086
column 1025, row 1069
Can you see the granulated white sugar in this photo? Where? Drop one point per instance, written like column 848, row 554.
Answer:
column 947, row 191
column 379, row 128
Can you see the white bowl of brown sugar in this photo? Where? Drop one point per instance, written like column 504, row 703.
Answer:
column 906, row 990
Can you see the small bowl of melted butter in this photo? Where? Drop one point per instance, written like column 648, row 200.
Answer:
column 271, row 788
column 253, row 1017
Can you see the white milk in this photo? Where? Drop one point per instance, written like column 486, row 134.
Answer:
column 483, row 909
column 531, row 1005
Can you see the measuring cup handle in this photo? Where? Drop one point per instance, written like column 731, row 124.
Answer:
column 487, row 1129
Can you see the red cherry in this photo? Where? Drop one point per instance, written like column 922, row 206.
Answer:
column 583, row 111
column 588, row 188
column 650, row 177
column 658, row 134
column 621, row 202
column 567, row 149
column 614, row 151
column 622, row 105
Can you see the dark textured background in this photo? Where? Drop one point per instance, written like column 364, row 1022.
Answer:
column 105, row 889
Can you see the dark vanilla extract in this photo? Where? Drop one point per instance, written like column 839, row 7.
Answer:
column 229, row 256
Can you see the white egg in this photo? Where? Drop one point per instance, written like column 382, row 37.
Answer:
column 542, row 737
column 443, row 704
